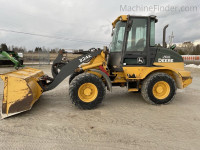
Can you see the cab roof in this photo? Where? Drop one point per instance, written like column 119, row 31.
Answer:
column 125, row 18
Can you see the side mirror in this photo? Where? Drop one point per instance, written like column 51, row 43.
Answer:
column 112, row 32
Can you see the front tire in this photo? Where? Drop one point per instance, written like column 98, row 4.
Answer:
column 158, row 88
column 72, row 76
column 87, row 91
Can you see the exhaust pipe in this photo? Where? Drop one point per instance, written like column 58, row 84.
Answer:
column 164, row 35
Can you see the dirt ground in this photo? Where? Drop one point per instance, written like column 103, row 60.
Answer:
column 123, row 121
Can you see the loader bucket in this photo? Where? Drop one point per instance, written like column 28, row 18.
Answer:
column 21, row 90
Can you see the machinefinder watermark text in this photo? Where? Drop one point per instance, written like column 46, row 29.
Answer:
column 158, row 8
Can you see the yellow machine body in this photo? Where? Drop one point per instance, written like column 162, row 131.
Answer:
column 21, row 90
column 175, row 70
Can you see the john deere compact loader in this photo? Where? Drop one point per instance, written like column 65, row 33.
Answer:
column 132, row 61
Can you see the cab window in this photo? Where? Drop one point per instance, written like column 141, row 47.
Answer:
column 137, row 36
column 118, row 37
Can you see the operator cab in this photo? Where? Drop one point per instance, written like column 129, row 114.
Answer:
column 133, row 42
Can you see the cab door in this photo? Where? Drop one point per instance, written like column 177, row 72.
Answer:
column 135, row 52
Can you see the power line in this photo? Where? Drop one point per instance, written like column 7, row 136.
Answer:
column 53, row 37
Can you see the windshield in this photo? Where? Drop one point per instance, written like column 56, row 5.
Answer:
column 118, row 37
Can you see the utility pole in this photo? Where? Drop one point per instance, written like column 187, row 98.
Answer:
column 171, row 39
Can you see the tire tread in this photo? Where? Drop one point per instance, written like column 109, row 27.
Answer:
column 148, row 80
column 75, row 84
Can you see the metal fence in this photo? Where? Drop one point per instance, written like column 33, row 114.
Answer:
column 44, row 58
column 40, row 58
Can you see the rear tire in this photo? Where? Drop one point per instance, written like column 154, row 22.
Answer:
column 87, row 91
column 158, row 88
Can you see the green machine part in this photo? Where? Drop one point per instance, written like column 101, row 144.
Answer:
column 15, row 61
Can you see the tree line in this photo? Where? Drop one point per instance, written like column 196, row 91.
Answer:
column 187, row 48
column 20, row 49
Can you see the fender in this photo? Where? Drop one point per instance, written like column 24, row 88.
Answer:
column 105, row 76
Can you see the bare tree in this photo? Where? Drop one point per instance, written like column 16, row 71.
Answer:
column 188, row 47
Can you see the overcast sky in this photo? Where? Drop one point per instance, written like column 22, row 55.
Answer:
column 87, row 23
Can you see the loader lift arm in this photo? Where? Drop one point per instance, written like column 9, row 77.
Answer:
column 66, row 69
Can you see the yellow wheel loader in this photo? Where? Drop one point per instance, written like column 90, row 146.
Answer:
column 133, row 61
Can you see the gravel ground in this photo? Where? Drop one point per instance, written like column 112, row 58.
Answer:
column 123, row 121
